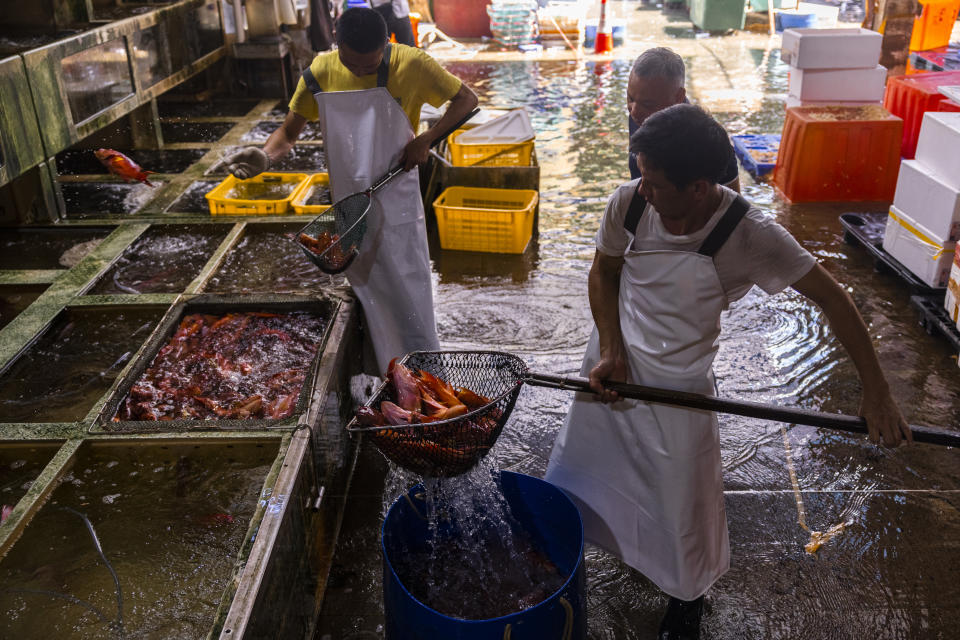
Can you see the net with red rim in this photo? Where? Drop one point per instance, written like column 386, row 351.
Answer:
column 451, row 447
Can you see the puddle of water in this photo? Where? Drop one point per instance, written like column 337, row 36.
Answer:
column 93, row 199
column 267, row 260
column 239, row 365
column 16, row 298
column 20, row 464
column 170, row 520
column 262, row 130
column 194, row 131
column 82, row 161
column 68, row 368
column 235, row 107
column 192, row 200
column 261, row 190
column 48, row 247
column 165, row 259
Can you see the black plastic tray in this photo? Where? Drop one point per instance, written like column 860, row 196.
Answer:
column 935, row 319
column 866, row 229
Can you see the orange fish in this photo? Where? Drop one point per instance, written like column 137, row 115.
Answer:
column 121, row 165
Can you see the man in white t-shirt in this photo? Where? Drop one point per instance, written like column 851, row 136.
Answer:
column 673, row 251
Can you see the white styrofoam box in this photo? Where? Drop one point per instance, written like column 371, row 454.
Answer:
column 915, row 247
column 951, row 91
column 797, row 102
column 938, row 146
column 830, row 48
column 826, row 15
column 513, row 126
column 852, row 85
column 929, row 199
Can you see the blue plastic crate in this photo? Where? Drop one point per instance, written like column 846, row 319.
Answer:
column 757, row 152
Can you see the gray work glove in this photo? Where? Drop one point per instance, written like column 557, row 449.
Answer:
column 246, row 163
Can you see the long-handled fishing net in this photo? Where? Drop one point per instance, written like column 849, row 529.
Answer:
column 453, row 446
column 332, row 240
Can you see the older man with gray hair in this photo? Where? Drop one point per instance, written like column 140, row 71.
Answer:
column 656, row 82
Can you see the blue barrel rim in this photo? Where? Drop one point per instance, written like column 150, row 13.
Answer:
column 566, row 582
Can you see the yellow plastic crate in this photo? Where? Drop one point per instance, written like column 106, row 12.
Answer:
column 220, row 204
column 488, row 220
column 489, row 155
column 305, row 191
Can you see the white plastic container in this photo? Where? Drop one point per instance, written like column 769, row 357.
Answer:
column 916, row 248
column 929, row 199
column 513, row 126
column 938, row 146
column 831, row 48
column 850, row 85
column 827, row 16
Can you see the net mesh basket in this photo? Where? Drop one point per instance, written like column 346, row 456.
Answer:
column 451, row 447
column 344, row 220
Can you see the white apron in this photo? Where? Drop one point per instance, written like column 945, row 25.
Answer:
column 364, row 133
column 647, row 477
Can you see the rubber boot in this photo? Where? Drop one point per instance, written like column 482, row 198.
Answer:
column 682, row 620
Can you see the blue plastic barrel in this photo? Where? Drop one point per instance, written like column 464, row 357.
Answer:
column 786, row 20
column 544, row 513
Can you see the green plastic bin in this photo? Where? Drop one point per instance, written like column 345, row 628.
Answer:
column 718, row 15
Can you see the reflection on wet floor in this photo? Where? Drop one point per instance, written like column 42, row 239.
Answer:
column 896, row 514
column 47, row 248
column 194, row 131
column 267, row 260
column 165, row 259
column 70, row 366
column 16, row 298
column 82, row 161
column 182, row 508
column 94, row 199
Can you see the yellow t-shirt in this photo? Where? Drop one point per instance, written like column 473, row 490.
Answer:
column 415, row 78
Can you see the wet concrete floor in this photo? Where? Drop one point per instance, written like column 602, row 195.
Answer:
column 890, row 571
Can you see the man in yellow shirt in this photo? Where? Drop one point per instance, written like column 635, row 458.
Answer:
column 367, row 96
column 413, row 78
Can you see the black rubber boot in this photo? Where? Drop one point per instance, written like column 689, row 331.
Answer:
column 682, row 620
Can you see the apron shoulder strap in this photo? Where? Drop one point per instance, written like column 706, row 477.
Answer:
column 383, row 71
column 311, row 81
column 638, row 205
column 735, row 212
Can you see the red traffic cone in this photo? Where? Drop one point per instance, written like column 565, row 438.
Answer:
column 604, row 40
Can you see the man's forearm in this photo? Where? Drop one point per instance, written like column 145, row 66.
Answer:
column 282, row 140
column 604, row 293
column 460, row 105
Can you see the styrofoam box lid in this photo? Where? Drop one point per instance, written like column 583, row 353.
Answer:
column 514, row 126
column 830, row 48
column 952, row 91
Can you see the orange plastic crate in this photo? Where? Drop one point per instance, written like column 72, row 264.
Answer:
column 933, row 27
column 909, row 96
column 839, row 154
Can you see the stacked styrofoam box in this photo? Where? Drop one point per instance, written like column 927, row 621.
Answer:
column 924, row 224
column 833, row 66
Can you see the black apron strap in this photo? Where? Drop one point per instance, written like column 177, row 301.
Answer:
column 725, row 227
column 311, row 81
column 637, row 206
column 383, row 71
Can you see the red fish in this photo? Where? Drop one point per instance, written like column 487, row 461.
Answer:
column 5, row 512
column 121, row 165
column 216, row 519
